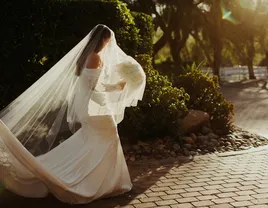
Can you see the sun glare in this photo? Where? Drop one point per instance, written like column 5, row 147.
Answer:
column 227, row 15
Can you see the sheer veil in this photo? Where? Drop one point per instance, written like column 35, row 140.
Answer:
column 47, row 111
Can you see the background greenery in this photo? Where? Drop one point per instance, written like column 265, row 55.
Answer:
column 36, row 34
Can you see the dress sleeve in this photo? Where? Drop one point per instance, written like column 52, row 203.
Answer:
column 96, row 96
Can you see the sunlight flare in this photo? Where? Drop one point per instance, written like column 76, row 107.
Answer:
column 227, row 15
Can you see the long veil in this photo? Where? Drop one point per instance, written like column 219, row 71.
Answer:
column 46, row 112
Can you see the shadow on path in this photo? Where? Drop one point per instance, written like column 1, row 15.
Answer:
column 250, row 99
column 144, row 174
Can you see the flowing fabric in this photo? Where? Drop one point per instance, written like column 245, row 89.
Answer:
column 83, row 111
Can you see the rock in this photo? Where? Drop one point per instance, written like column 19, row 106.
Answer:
column 194, row 120
column 132, row 158
column 136, row 147
column 143, row 144
column 127, row 157
column 158, row 156
column 206, row 130
column 138, row 157
column 188, row 146
column 158, row 141
column 186, row 152
column 167, row 138
column 213, row 136
column 173, row 154
column 202, row 138
column 143, row 157
column 176, row 146
column 188, row 140
column 160, row 147
column 259, row 143
column 246, row 136
column 193, row 136
column 169, row 144
column 228, row 144
column 214, row 142
column 206, row 142
column 263, row 139
column 147, row 151
column 244, row 148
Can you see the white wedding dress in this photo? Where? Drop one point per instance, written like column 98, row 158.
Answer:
column 87, row 166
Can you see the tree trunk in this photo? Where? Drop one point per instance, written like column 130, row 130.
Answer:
column 217, row 39
column 251, row 53
column 266, row 61
column 217, row 48
column 177, row 44
column 159, row 44
column 175, row 53
column 250, row 69
column 202, row 46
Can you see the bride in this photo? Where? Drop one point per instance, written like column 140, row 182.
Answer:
column 60, row 135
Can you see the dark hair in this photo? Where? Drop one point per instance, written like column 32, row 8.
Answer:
column 104, row 33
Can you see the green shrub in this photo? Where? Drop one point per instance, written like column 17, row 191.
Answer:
column 159, row 112
column 205, row 95
column 37, row 29
column 146, row 29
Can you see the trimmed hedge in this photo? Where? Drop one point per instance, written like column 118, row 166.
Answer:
column 146, row 29
column 36, row 34
column 205, row 95
column 161, row 109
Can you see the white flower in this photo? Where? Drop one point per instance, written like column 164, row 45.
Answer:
column 131, row 72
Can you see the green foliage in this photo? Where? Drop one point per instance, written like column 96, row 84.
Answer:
column 162, row 106
column 192, row 68
column 205, row 95
column 145, row 24
column 36, row 34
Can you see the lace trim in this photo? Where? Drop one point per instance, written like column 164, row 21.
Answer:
column 6, row 166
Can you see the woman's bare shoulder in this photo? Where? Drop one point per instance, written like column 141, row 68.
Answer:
column 94, row 61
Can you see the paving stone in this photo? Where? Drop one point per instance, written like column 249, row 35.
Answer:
column 166, row 202
column 242, row 203
column 203, row 203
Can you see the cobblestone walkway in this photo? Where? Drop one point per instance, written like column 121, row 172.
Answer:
column 203, row 181
column 207, row 181
column 251, row 105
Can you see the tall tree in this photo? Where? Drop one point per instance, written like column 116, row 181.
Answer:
column 244, row 35
column 176, row 18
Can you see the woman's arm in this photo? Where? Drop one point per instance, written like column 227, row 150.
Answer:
column 115, row 87
column 99, row 97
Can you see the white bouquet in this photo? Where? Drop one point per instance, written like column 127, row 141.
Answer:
column 131, row 72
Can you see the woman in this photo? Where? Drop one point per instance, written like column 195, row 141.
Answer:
column 90, row 87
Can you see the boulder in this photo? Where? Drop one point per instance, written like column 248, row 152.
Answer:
column 194, row 121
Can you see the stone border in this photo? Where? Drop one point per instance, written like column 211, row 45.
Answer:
column 241, row 152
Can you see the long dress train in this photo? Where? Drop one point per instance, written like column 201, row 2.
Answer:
column 87, row 166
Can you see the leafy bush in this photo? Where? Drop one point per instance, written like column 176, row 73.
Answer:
column 146, row 29
column 162, row 106
column 34, row 31
column 205, row 95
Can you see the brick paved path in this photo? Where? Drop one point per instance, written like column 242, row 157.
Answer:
column 205, row 181
column 251, row 105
